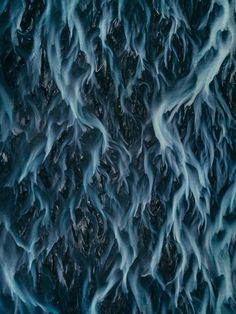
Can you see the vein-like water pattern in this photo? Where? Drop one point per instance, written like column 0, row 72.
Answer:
column 117, row 156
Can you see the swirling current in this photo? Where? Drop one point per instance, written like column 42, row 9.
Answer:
column 117, row 156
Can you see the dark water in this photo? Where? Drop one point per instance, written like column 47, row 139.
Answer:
column 117, row 156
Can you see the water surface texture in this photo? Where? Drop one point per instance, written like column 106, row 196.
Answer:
column 117, row 156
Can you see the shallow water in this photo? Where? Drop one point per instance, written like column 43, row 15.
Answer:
column 117, row 156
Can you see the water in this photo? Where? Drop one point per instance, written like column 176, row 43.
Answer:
column 117, row 156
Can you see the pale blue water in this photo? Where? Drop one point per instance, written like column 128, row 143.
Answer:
column 117, row 156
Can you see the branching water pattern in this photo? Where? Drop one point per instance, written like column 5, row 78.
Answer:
column 117, row 156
